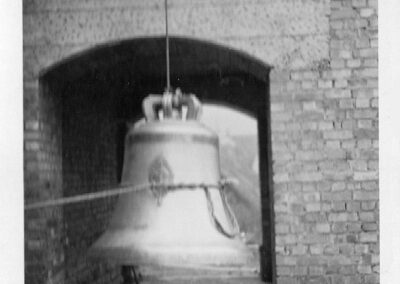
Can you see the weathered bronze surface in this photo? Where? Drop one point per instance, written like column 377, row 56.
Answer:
column 168, row 228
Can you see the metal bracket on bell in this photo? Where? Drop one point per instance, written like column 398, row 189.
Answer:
column 170, row 102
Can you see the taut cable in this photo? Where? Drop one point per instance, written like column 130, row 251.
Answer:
column 123, row 189
column 167, row 46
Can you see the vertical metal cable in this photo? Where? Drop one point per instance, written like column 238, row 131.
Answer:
column 167, row 45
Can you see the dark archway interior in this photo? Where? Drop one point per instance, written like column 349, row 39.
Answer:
column 102, row 89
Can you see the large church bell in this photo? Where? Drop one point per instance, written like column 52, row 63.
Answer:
column 179, row 217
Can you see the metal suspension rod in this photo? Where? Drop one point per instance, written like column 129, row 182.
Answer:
column 167, row 45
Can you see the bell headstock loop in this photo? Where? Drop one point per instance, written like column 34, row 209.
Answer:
column 171, row 105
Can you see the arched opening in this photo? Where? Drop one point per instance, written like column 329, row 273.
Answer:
column 88, row 99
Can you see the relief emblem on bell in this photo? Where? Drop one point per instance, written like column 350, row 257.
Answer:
column 160, row 173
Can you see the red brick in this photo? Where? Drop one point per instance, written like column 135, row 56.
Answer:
column 365, row 195
column 368, row 216
column 366, row 113
column 325, row 84
column 342, row 14
column 286, row 239
column 325, row 207
column 323, row 228
column 339, row 227
column 281, row 228
column 304, row 75
column 286, row 280
column 369, row 175
column 367, row 72
column 363, row 93
column 338, row 134
column 366, row 12
column 336, row 196
column 338, row 186
column 368, row 154
column 340, row 83
column 300, row 270
column 375, row 259
column 364, row 123
column 368, row 205
column 338, row 206
column 348, row 270
column 313, row 207
column 308, row 106
column 348, row 144
column 359, row 3
column 342, row 217
column 315, row 217
column 373, row 165
column 373, row 3
column 353, row 63
column 339, row 54
column 299, row 249
column 369, row 52
column 346, row 103
column 307, row 85
column 337, row 63
column 285, row 260
column 358, row 165
column 361, row 248
column 363, row 41
column 369, row 227
column 374, row 43
column 375, row 103
column 356, row 279
column 372, row 278
column 316, row 270
column 308, row 176
column 284, row 270
column 325, row 125
column 337, row 73
column 362, row 103
column 333, row 144
column 281, row 117
column 370, row 63
column 368, row 237
column 354, row 227
column 277, row 107
column 346, row 249
column 366, row 133
column 364, row 143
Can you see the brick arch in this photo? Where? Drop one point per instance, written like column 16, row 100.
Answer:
column 231, row 69
column 203, row 56
column 86, row 100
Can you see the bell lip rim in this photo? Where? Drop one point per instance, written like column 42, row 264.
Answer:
column 240, row 266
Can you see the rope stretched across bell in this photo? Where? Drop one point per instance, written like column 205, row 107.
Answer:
column 119, row 191
column 169, row 187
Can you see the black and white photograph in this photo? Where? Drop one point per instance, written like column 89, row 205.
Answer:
column 201, row 141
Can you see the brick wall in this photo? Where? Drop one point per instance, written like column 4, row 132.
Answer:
column 43, row 180
column 325, row 152
column 324, row 105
